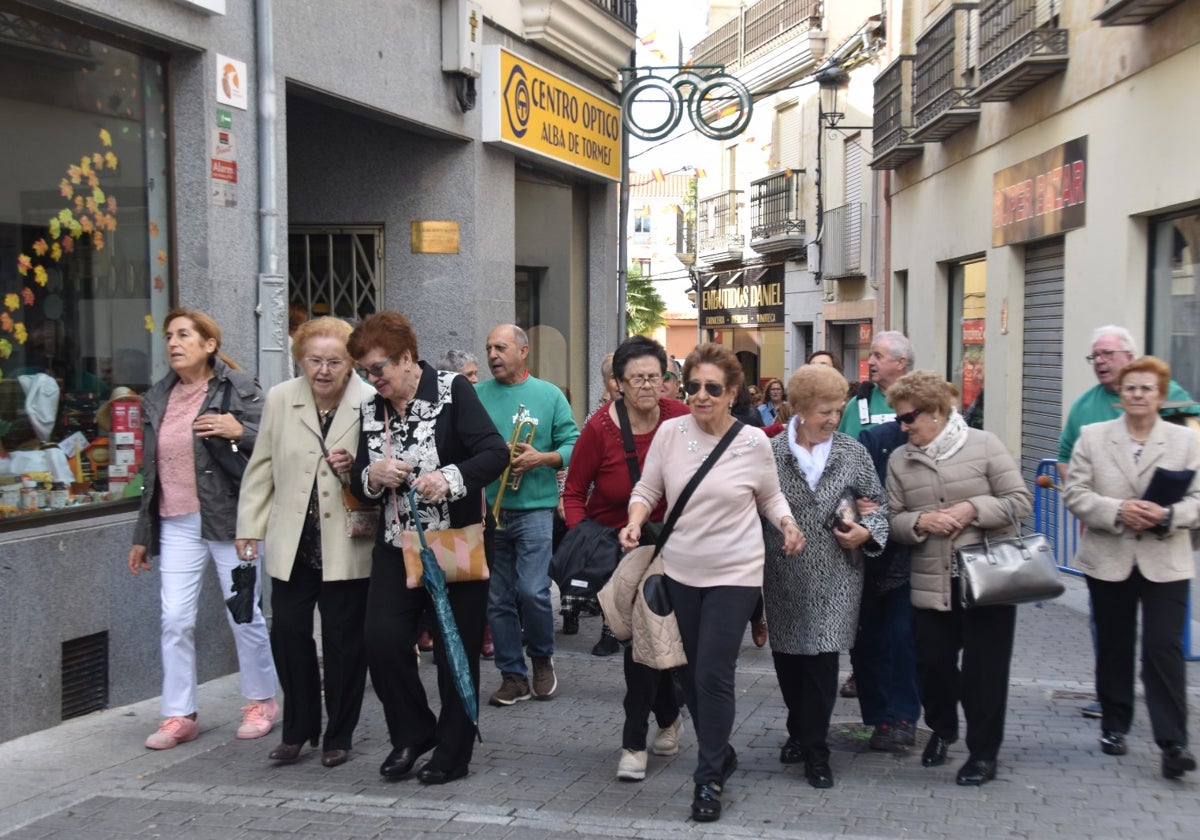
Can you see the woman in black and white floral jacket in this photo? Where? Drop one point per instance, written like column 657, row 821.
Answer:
column 424, row 429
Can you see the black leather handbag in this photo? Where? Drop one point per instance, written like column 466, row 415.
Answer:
column 225, row 453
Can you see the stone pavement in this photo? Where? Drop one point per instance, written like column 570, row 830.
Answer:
column 547, row 769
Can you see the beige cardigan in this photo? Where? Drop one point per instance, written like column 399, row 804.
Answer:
column 279, row 478
column 1103, row 474
column 984, row 473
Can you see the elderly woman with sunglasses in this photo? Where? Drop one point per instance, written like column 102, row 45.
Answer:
column 946, row 487
column 714, row 558
column 424, row 429
column 292, row 493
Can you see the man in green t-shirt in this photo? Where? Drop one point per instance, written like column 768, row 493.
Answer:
column 537, row 419
column 1112, row 348
column 891, row 357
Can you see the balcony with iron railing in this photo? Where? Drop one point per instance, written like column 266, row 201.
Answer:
column 718, row 237
column 776, row 226
column 943, row 98
column 623, row 10
column 755, row 30
column 893, row 121
column 1020, row 46
column 841, row 251
column 1132, row 12
column 595, row 35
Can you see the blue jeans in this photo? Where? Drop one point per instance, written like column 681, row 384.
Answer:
column 885, row 660
column 520, row 591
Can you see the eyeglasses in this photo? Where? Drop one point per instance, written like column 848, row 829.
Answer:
column 692, row 388
column 334, row 365
column 649, row 379
column 907, row 419
column 1106, row 355
column 375, row 370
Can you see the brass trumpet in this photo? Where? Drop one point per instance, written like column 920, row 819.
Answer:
column 522, row 433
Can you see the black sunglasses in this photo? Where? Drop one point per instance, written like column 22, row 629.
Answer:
column 907, row 419
column 692, row 388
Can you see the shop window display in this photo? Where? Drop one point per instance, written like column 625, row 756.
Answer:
column 84, row 264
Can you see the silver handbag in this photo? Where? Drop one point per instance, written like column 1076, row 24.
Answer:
column 1014, row 570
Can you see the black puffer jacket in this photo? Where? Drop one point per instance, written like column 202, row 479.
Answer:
column 218, row 495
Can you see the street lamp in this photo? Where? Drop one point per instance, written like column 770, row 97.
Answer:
column 830, row 80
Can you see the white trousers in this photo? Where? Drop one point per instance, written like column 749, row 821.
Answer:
column 181, row 569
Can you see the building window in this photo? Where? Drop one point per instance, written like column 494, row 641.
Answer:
column 1174, row 330
column 642, row 266
column 641, row 221
column 968, row 305
column 85, row 264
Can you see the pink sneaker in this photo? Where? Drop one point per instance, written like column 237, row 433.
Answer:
column 172, row 732
column 258, row 718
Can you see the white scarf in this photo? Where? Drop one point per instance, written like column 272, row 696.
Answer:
column 949, row 440
column 811, row 464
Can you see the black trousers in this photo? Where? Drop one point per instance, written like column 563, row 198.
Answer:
column 646, row 690
column 1164, row 610
column 809, row 685
column 393, row 615
column 343, row 606
column 712, row 623
column 984, row 637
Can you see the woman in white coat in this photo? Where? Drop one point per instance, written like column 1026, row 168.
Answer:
column 1134, row 549
column 292, row 497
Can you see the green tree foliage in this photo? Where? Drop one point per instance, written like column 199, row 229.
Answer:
column 644, row 307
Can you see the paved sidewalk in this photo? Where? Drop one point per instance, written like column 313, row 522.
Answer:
column 547, row 769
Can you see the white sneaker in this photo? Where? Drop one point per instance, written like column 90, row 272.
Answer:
column 632, row 766
column 257, row 719
column 666, row 742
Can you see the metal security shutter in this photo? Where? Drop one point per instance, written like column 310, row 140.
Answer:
column 1041, row 367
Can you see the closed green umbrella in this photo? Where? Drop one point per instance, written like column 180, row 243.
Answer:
column 434, row 581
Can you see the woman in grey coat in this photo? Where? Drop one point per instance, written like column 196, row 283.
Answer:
column 812, row 600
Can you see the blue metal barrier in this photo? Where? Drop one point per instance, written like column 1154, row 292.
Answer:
column 1052, row 520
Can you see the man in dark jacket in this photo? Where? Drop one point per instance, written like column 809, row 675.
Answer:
column 883, row 657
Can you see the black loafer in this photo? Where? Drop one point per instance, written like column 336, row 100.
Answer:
column 401, row 760
column 819, row 774
column 706, row 803
column 976, row 771
column 791, row 753
column 1177, row 760
column 935, row 751
column 436, row 776
column 1112, row 742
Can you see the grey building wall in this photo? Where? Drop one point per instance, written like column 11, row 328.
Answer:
column 368, row 130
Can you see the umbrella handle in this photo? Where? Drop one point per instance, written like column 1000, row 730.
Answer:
column 412, row 509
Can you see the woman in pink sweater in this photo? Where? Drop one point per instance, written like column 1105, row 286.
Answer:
column 714, row 556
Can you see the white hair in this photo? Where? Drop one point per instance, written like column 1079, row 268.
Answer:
column 1120, row 334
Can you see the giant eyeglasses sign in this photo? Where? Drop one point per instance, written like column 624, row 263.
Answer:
column 719, row 105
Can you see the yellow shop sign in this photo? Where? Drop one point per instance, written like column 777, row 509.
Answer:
column 530, row 109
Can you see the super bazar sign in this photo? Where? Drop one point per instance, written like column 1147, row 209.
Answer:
column 530, row 109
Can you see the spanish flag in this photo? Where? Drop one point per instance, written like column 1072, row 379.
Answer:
column 649, row 37
column 658, row 176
